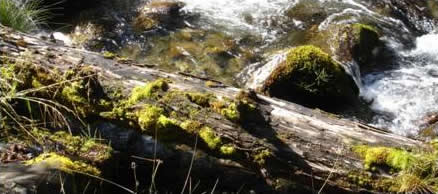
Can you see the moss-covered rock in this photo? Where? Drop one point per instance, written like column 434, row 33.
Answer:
column 359, row 42
column 347, row 42
column 310, row 76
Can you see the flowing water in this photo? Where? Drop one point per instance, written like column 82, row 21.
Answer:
column 406, row 94
column 401, row 96
column 229, row 39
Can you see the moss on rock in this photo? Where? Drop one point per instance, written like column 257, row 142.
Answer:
column 364, row 39
column 310, row 75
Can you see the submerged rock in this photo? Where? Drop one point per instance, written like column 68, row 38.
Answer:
column 158, row 13
column 309, row 75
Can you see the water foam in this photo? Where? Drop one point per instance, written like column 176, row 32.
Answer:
column 407, row 94
column 247, row 16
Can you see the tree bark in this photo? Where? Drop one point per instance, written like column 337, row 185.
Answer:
column 310, row 147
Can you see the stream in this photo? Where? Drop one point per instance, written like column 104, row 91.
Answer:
column 223, row 39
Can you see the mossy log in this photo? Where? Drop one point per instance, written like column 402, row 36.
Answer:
column 298, row 149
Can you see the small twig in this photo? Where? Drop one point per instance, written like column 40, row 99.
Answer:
column 215, row 185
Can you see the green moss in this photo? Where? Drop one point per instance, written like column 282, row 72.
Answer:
column 148, row 117
column 85, row 148
column 94, row 151
column 109, row 55
column 200, row 99
column 261, row 157
column 148, row 91
column 412, row 171
column 207, row 134
column 227, row 150
column 358, row 28
column 392, row 157
column 191, row 126
column 63, row 163
column 166, row 123
column 231, row 112
column 71, row 93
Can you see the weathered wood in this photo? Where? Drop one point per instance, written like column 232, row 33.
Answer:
column 310, row 146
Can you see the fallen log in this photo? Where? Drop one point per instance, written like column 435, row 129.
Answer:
column 285, row 144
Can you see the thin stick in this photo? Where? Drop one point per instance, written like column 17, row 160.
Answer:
column 191, row 165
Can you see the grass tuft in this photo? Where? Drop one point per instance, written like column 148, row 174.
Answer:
column 25, row 17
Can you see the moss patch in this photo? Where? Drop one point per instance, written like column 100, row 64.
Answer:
column 109, row 55
column 261, row 156
column 201, row 99
column 64, row 164
column 207, row 134
column 191, row 126
column 227, row 150
column 86, row 148
column 148, row 117
column 394, row 158
column 148, row 91
column 412, row 171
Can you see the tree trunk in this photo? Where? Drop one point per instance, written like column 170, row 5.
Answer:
column 310, row 147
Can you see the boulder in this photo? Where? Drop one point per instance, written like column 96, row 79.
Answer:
column 358, row 42
column 310, row 76
column 349, row 42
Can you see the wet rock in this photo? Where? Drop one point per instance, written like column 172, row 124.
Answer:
column 358, row 42
column 311, row 12
column 310, row 76
column 350, row 42
column 429, row 125
column 421, row 16
column 158, row 13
